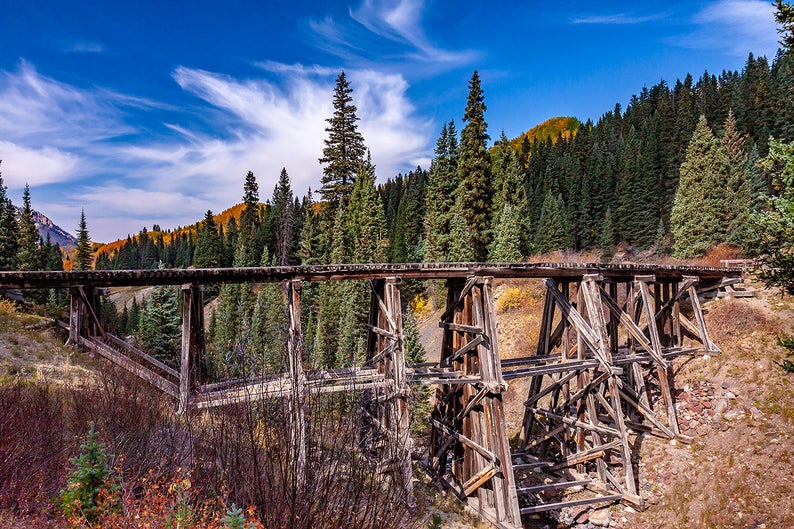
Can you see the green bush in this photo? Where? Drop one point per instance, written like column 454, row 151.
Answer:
column 90, row 491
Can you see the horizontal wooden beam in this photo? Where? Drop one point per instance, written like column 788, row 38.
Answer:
column 179, row 276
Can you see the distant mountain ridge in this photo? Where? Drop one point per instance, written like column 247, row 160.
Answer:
column 58, row 235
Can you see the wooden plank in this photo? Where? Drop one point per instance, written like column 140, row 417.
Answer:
column 138, row 370
column 460, row 327
column 465, row 440
column 579, row 424
column 471, row 345
column 554, row 486
column 609, row 498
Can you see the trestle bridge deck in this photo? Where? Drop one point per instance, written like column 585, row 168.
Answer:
column 600, row 372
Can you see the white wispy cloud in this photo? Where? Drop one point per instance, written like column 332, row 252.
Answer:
column 734, row 26
column 397, row 22
column 35, row 166
column 33, row 105
column 617, row 19
column 124, row 178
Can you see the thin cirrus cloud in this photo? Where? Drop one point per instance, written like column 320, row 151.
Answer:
column 618, row 19
column 733, row 26
column 394, row 29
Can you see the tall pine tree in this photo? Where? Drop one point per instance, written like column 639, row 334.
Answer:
column 694, row 221
column 344, row 148
column 82, row 256
column 474, row 169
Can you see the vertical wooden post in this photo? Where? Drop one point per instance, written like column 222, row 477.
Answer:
column 701, row 321
column 75, row 320
column 395, row 370
column 297, row 412
column 662, row 371
column 192, row 366
column 504, row 482
column 596, row 314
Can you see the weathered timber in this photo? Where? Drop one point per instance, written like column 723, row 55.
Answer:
column 110, row 278
column 608, row 333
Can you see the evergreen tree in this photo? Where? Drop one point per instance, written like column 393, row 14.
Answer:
column 308, row 245
column 607, row 238
column 283, row 220
column 90, row 491
column 160, row 327
column 8, row 229
column 506, row 246
column 344, row 148
column 554, row 228
column 510, row 191
column 735, row 187
column 134, row 319
column 82, row 256
column 784, row 15
column 474, row 170
column 269, row 326
column 209, row 247
column 440, row 197
column 694, row 221
column 771, row 233
column 27, row 256
column 249, row 244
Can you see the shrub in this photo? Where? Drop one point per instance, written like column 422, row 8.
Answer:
column 512, row 298
column 90, row 491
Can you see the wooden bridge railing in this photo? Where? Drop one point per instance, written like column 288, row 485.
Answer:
column 607, row 338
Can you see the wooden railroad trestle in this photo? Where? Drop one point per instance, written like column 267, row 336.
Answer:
column 601, row 371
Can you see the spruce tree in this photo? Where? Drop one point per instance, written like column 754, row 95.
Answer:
column 27, row 256
column 282, row 214
column 209, row 249
column 249, row 243
column 694, row 221
column 8, row 229
column 734, row 187
column 344, row 148
column 509, row 190
column 160, row 326
column 474, row 170
column 82, row 256
column 554, row 232
column 439, row 205
column 771, row 229
column 506, row 246
column 269, row 326
column 308, row 245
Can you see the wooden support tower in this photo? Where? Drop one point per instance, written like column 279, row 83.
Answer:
column 386, row 407
column 469, row 447
column 601, row 373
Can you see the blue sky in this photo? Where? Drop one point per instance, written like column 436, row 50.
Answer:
column 152, row 112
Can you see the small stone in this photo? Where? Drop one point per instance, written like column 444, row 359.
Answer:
column 600, row 518
column 706, row 404
column 733, row 415
column 703, row 430
column 730, row 395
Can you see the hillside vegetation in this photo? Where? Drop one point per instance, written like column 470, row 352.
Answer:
column 551, row 129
